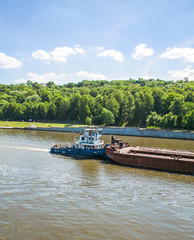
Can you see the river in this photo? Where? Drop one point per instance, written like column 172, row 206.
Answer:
column 45, row 196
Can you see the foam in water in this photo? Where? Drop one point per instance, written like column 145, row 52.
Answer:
column 27, row 148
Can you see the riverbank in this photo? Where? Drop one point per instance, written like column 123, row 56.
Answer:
column 124, row 131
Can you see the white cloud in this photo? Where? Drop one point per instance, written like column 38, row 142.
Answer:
column 91, row 76
column 100, row 48
column 59, row 54
column 60, row 78
column 9, row 62
column 175, row 53
column 142, row 51
column 182, row 73
column 78, row 49
column 146, row 77
column 116, row 55
column 41, row 54
column 44, row 78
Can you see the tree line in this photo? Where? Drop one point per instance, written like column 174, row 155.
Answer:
column 142, row 103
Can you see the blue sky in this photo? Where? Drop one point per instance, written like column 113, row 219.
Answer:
column 69, row 41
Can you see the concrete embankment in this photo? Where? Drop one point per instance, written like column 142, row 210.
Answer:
column 124, row 131
column 128, row 131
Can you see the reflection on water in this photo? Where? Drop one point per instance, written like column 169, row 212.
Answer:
column 45, row 196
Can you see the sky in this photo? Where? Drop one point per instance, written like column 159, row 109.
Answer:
column 72, row 40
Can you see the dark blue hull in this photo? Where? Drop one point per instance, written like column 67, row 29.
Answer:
column 89, row 153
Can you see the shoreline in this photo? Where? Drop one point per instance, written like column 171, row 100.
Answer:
column 123, row 131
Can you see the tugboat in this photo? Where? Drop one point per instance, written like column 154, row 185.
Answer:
column 88, row 145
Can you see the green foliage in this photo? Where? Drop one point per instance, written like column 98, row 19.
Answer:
column 154, row 119
column 188, row 120
column 144, row 103
column 51, row 85
column 46, row 96
column 178, row 108
column 84, row 108
column 43, row 110
column 107, row 117
column 33, row 98
column 88, row 121
column 169, row 121
column 156, row 103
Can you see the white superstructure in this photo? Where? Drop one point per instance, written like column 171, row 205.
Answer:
column 90, row 139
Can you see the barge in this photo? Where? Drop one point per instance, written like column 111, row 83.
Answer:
column 151, row 158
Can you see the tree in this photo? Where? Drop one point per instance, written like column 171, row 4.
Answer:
column 33, row 98
column 188, row 120
column 29, row 83
column 20, row 98
column 178, row 108
column 128, row 109
column 169, row 98
column 74, row 108
column 107, row 117
column 63, row 109
column 36, row 85
column 94, row 92
column 13, row 111
column 52, row 110
column 112, row 105
column 158, row 100
column 144, row 103
column 88, row 121
column 71, row 85
column 84, row 109
column 96, row 108
column 189, row 97
column 169, row 121
column 51, row 85
column 30, row 110
column 43, row 110
column 46, row 96
column 154, row 120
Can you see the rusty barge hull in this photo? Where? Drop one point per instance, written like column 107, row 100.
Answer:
column 149, row 158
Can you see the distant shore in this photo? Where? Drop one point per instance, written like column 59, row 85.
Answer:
column 125, row 131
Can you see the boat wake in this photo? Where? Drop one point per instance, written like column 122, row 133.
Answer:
column 26, row 148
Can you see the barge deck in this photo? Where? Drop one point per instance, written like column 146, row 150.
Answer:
column 151, row 158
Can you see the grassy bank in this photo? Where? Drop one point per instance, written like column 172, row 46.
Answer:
column 37, row 124
column 60, row 125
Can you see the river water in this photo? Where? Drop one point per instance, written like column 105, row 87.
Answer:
column 45, row 196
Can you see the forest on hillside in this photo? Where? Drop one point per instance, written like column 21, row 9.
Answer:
column 140, row 103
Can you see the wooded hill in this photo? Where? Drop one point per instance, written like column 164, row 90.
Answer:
column 151, row 103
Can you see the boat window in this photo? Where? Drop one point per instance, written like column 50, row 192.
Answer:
column 82, row 138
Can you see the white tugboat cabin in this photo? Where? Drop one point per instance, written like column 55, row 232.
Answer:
column 90, row 139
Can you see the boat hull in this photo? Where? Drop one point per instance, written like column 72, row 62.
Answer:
column 152, row 161
column 88, row 153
